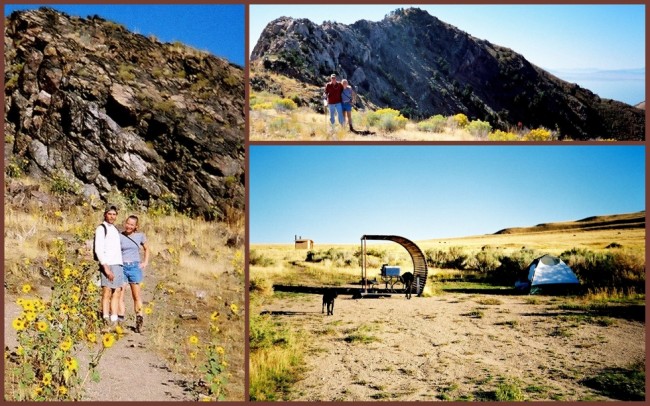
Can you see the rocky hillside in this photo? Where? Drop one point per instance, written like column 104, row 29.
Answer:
column 106, row 109
column 422, row 66
column 617, row 221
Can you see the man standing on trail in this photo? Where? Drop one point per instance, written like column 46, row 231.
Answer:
column 109, row 254
column 333, row 91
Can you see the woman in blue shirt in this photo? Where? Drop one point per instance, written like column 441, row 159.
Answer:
column 131, row 241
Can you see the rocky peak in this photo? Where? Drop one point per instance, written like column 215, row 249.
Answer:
column 422, row 66
column 112, row 110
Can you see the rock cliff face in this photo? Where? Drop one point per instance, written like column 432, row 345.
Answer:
column 108, row 109
column 416, row 63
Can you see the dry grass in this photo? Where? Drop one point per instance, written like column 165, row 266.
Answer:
column 304, row 124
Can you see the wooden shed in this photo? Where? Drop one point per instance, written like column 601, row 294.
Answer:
column 303, row 243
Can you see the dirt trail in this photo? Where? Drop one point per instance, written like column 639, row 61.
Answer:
column 454, row 346
column 129, row 370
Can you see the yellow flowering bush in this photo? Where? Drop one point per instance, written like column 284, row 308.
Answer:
column 538, row 134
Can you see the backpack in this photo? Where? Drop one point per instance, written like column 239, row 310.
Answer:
column 105, row 233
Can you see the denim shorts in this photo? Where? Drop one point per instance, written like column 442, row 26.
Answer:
column 132, row 272
column 118, row 279
column 347, row 106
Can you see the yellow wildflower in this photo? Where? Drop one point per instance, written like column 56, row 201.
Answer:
column 29, row 306
column 193, row 354
column 58, row 214
column 66, row 273
column 41, row 326
column 27, row 288
column 47, row 379
column 20, row 301
column 30, row 316
column 64, row 308
column 221, row 351
column 91, row 337
column 234, row 308
column 148, row 310
column 108, row 339
column 72, row 364
column 26, row 261
column 214, row 316
column 119, row 330
column 62, row 390
column 75, row 297
column 36, row 392
column 20, row 351
column 76, row 288
column 18, row 324
column 66, row 344
column 224, row 363
column 194, row 340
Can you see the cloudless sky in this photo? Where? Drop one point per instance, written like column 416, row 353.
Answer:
column 558, row 38
column 218, row 29
column 336, row 194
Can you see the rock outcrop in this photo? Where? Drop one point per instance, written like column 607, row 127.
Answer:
column 107, row 109
column 422, row 66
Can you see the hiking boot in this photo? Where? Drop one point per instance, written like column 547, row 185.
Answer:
column 138, row 323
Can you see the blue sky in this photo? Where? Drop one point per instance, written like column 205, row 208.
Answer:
column 218, row 29
column 573, row 41
column 335, row 194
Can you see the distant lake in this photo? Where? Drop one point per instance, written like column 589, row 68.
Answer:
column 627, row 86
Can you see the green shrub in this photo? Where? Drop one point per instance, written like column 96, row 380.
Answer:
column 258, row 259
column 453, row 258
column 284, row 105
column 509, row 391
column 479, row 128
column 499, row 135
column 487, row 261
column 125, row 72
column 434, row 124
column 60, row 185
column 512, row 267
column 279, row 124
column 387, row 119
column 614, row 270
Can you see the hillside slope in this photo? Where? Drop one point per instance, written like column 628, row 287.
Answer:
column 422, row 66
column 103, row 109
column 611, row 222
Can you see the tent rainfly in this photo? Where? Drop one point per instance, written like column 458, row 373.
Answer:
column 548, row 273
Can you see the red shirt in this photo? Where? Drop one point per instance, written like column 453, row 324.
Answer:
column 333, row 92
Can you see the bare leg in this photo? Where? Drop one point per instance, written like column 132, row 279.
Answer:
column 106, row 301
column 137, row 299
column 115, row 300
column 121, row 307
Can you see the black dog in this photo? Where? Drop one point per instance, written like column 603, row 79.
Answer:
column 407, row 280
column 328, row 299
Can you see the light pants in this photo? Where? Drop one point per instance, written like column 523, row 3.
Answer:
column 338, row 108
